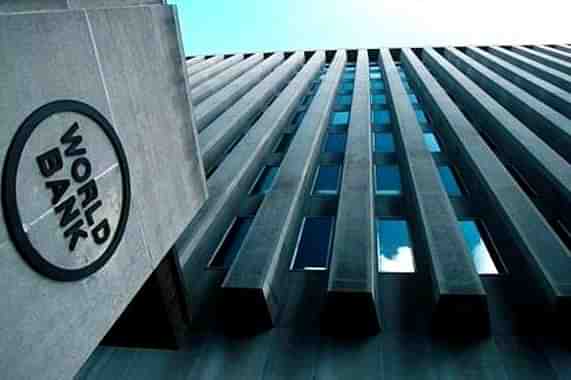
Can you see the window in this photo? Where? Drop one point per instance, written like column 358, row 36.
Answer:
column 406, row 86
column 381, row 117
column 283, row 144
column 347, row 86
column 343, row 100
column 349, row 68
column 394, row 248
column 449, row 181
column 375, row 75
column 421, row 117
column 379, row 99
column 374, row 68
column 327, row 180
column 377, row 84
column 384, row 143
column 231, row 243
column 477, row 247
column 349, row 75
column 340, row 118
column 335, row 142
column 413, row 99
column 431, row 142
column 387, row 180
column 265, row 180
column 313, row 244
column 298, row 117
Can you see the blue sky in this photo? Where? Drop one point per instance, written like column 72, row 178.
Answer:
column 229, row 26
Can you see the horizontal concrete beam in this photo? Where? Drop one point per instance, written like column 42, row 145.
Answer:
column 543, row 58
column 214, row 70
column 193, row 61
column 553, row 96
column 253, row 288
column 551, row 126
column 457, row 289
column 527, row 152
column 210, row 87
column 235, row 120
column 546, row 257
column 212, row 107
column 229, row 183
column 198, row 67
column 540, row 70
column 351, row 304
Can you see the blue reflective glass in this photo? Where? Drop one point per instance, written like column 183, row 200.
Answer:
column 375, row 75
column 232, row 242
column 379, row 99
column 349, row 75
column 314, row 243
column 431, row 142
column 350, row 68
column 381, row 117
column 413, row 99
column 347, row 86
column 406, row 85
column 477, row 248
column 283, row 144
column 377, row 84
column 327, row 180
column 449, row 181
column 421, row 117
column 343, row 100
column 298, row 117
column 340, row 118
column 387, row 180
column 335, row 142
column 265, row 180
column 384, row 143
column 394, row 248
column 374, row 68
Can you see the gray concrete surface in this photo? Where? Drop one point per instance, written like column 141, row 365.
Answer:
column 543, row 58
column 194, row 68
column 214, row 70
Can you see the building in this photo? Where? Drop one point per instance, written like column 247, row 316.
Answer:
column 380, row 213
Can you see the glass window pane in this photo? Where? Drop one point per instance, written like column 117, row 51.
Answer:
column 298, row 117
column 421, row 117
column 394, row 248
column 375, row 75
column 406, row 85
column 350, row 68
column 384, row 143
column 431, row 142
column 349, row 75
column 284, row 142
column 340, row 118
column 379, row 99
column 477, row 248
column 327, row 180
column 413, row 99
column 343, row 100
column 312, row 252
column 449, row 181
column 381, row 117
column 265, row 180
column 346, row 86
column 232, row 242
column 387, row 180
column 377, row 84
column 335, row 142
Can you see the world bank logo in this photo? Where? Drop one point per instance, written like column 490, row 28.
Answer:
column 66, row 190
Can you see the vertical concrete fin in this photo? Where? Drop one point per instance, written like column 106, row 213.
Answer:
column 458, row 291
column 543, row 252
column 351, row 303
column 545, row 59
column 203, row 64
column 214, row 70
column 251, row 287
column 224, row 130
column 559, row 54
column 193, row 61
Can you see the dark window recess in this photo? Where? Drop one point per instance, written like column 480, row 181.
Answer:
column 231, row 243
column 265, row 180
column 298, row 117
column 335, row 142
column 387, row 180
column 384, row 142
column 327, row 180
column 283, row 145
column 564, row 231
column 231, row 147
column 314, row 244
column 449, row 181
column 522, row 181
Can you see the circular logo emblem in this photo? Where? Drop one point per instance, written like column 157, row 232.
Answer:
column 65, row 190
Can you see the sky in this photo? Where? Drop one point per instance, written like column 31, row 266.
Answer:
column 232, row 26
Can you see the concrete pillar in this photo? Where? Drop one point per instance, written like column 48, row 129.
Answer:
column 235, row 120
column 542, row 71
column 193, row 61
column 230, row 182
column 254, row 286
column 551, row 126
column 351, row 303
column 559, row 54
column 544, row 254
column 68, row 79
column 206, row 63
column 545, row 59
column 521, row 147
column 553, row 96
column 457, row 289
column 212, row 107
column 214, row 70
column 208, row 88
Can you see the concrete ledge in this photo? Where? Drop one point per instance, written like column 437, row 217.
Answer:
column 214, row 70
column 204, row 64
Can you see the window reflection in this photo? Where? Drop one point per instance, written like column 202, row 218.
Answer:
column 431, row 142
column 265, row 180
column 388, row 181
column 335, row 142
column 477, row 247
column 314, row 243
column 384, row 142
column 394, row 248
column 449, row 181
column 381, row 117
column 340, row 118
column 327, row 180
